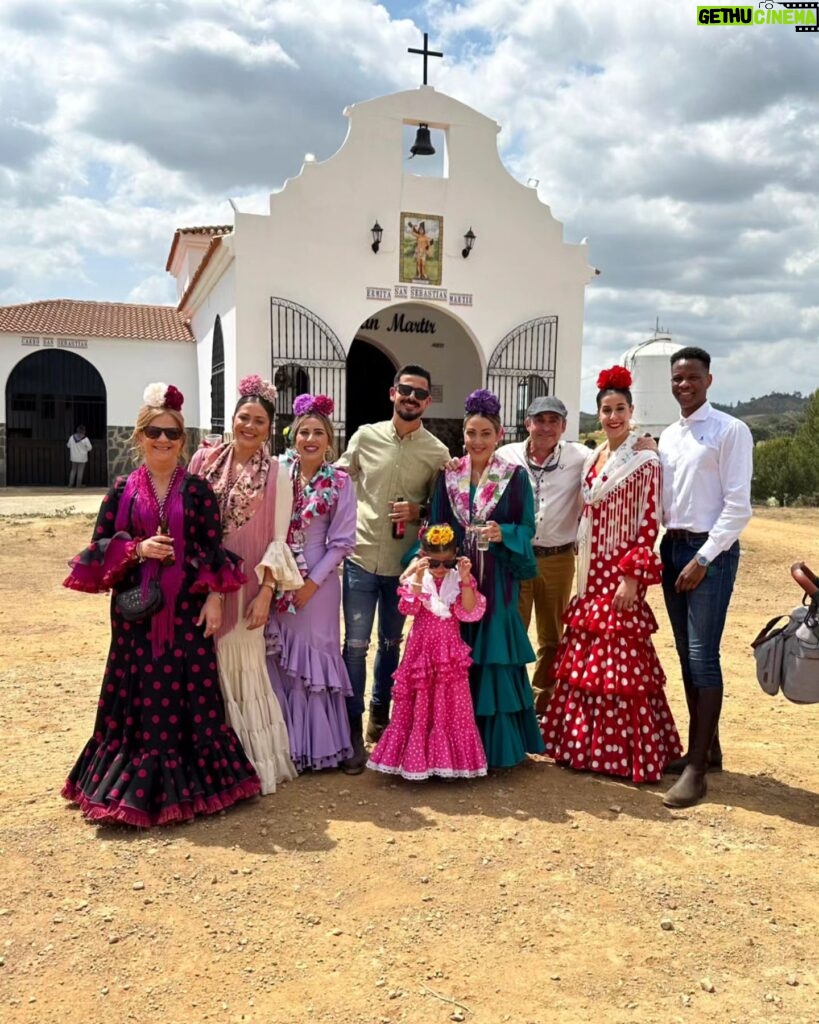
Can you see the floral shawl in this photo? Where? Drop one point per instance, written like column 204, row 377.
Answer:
column 314, row 499
column 488, row 492
column 240, row 499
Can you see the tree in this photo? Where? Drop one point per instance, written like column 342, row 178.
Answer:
column 784, row 469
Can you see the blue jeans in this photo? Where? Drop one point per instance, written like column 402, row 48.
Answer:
column 698, row 616
column 362, row 592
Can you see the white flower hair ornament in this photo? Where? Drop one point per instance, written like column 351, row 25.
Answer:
column 163, row 396
column 154, row 394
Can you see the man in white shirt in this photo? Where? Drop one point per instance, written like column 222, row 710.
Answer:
column 78, row 447
column 554, row 467
column 707, row 459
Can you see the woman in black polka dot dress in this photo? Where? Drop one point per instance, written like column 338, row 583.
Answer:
column 160, row 750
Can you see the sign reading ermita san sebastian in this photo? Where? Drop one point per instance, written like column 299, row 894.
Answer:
column 414, row 291
column 33, row 342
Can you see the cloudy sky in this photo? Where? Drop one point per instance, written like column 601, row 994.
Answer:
column 688, row 155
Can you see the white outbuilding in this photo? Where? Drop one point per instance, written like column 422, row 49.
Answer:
column 650, row 366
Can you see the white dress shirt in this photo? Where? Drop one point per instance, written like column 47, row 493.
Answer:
column 707, row 461
column 556, row 489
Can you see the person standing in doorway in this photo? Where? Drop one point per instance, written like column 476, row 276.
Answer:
column 555, row 469
column 393, row 465
column 78, row 447
column 707, row 460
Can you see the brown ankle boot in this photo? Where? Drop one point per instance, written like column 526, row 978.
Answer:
column 692, row 785
column 377, row 722
column 354, row 765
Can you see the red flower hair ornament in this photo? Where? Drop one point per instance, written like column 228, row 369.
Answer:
column 163, row 396
column 305, row 404
column 616, row 378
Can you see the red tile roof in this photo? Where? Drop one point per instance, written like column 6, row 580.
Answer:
column 75, row 318
column 215, row 231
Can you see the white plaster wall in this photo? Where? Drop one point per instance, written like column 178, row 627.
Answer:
column 126, row 366
column 220, row 301
column 314, row 246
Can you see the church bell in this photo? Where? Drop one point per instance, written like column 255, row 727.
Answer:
column 422, row 145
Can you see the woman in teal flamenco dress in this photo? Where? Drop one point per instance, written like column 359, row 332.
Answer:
column 485, row 499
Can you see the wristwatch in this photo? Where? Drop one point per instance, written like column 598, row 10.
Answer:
column 702, row 560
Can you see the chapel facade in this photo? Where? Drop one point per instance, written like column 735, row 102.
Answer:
column 362, row 263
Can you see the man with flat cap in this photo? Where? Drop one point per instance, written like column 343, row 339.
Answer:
column 555, row 468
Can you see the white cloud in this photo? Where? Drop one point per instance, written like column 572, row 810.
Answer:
column 688, row 155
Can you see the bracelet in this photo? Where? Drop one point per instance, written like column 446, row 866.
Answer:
column 218, row 594
column 268, row 583
column 138, row 552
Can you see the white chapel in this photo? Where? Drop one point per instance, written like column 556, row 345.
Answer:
column 363, row 262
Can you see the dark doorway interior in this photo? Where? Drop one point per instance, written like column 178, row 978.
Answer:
column 47, row 395
column 369, row 379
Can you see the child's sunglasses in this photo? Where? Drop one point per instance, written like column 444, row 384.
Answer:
column 154, row 433
column 442, row 563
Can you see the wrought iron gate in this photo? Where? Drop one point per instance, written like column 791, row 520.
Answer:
column 521, row 368
column 306, row 356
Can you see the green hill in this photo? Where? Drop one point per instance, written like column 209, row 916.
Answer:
column 773, row 415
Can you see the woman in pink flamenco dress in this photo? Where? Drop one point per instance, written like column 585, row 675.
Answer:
column 432, row 731
column 609, row 712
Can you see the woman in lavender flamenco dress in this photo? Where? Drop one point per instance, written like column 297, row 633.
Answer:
column 304, row 661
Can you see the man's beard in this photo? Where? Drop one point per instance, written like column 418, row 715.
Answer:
column 408, row 414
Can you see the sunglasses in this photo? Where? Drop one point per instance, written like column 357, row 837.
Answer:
column 172, row 433
column 442, row 563
column 405, row 390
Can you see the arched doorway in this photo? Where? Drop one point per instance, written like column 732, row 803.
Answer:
column 428, row 335
column 47, row 395
column 370, row 375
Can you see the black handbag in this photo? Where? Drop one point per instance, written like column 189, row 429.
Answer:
column 134, row 606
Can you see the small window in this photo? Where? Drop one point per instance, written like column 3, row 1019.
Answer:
column 217, row 380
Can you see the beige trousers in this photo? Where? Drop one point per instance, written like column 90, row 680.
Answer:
column 548, row 593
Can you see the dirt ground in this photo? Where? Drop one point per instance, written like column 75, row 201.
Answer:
column 535, row 895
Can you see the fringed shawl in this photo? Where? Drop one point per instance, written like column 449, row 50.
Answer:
column 621, row 494
column 138, row 514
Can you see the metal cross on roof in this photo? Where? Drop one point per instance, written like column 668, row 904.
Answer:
column 425, row 53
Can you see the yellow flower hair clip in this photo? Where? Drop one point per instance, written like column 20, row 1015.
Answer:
column 440, row 536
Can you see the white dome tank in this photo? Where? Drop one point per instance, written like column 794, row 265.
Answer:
column 650, row 366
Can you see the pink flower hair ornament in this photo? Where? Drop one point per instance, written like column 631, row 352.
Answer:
column 482, row 403
column 305, row 404
column 163, row 396
column 255, row 386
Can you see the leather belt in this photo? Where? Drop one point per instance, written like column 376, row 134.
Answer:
column 686, row 535
column 558, row 549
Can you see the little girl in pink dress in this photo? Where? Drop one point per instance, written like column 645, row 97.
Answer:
column 433, row 731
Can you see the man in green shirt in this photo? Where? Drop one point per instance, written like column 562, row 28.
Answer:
column 393, row 465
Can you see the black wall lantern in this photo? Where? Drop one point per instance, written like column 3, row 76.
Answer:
column 469, row 241
column 377, row 231
column 423, row 144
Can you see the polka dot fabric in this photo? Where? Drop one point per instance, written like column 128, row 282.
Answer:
column 432, row 731
column 161, row 750
column 609, row 712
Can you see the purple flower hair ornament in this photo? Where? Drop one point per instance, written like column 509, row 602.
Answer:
column 482, row 403
column 304, row 404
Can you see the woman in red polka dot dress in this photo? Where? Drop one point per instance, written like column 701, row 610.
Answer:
column 432, row 730
column 160, row 750
column 609, row 712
